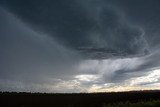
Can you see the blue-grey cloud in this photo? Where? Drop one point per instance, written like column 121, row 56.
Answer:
column 86, row 45
column 28, row 56
column 99, row 32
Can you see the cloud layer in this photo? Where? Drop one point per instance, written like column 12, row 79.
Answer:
column 78, row 46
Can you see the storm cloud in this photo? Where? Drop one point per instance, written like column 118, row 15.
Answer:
column 79, row 46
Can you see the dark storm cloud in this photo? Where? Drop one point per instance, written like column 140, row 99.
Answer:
column 28, row 56
column 144, row 13
column 73, row 45
column 92, row 28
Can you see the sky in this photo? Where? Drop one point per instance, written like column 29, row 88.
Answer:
column 72, row 46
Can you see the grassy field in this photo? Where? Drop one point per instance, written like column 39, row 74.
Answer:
column 151, row 103
column 119, row 99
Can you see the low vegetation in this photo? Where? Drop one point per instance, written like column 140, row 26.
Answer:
column 116, row 99
column 151, row 103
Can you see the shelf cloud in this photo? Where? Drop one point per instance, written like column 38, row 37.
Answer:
column 79, row 46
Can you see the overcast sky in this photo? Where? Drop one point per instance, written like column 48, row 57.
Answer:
column 79, row 45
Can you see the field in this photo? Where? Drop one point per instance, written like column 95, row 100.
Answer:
column 151, row 103
column 116, row 99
